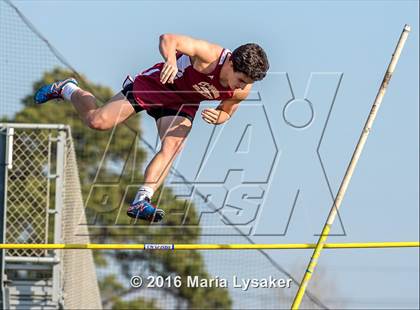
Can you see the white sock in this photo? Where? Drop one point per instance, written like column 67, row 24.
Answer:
column 144, row 191
column 68, row 90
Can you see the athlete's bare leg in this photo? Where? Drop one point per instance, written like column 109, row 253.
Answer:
column 115, row 111
column 173, row 131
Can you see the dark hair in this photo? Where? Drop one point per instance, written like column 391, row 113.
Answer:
column 251, row 60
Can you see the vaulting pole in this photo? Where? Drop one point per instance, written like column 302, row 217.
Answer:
column 350, row 169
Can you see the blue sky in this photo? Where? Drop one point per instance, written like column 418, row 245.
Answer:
column 316, row 49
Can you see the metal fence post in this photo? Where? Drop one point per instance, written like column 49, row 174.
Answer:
column 59, row 185
column 3, row 172
column 6, row 138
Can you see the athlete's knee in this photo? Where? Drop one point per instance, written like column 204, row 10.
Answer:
column 98, row 121
column 172, row 147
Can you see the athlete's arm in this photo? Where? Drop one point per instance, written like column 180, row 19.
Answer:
column 205, row 51
column 226, row 108
column 169, row 44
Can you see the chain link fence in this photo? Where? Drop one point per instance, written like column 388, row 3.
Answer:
column 44, row 205
column 28, row 192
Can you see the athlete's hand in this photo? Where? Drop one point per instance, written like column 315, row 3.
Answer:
column 169, row 71
column 214, row 116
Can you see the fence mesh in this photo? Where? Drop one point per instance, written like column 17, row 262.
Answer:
column 30, row 217
column 19, row 48
column 28, row 192
column 80, row 287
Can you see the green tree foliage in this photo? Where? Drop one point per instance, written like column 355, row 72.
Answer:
column 119, row 173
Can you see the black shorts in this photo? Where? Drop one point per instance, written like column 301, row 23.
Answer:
column 157, row 112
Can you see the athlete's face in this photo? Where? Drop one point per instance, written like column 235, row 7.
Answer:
column 237, row 80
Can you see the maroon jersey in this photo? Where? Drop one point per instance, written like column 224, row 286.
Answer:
column 190, row 86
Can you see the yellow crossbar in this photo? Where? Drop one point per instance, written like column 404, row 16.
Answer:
column 151, row 246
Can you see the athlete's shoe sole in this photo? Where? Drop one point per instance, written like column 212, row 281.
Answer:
column 145, row 211
column 52, row 91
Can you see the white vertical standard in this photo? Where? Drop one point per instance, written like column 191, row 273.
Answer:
column 58, row 208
